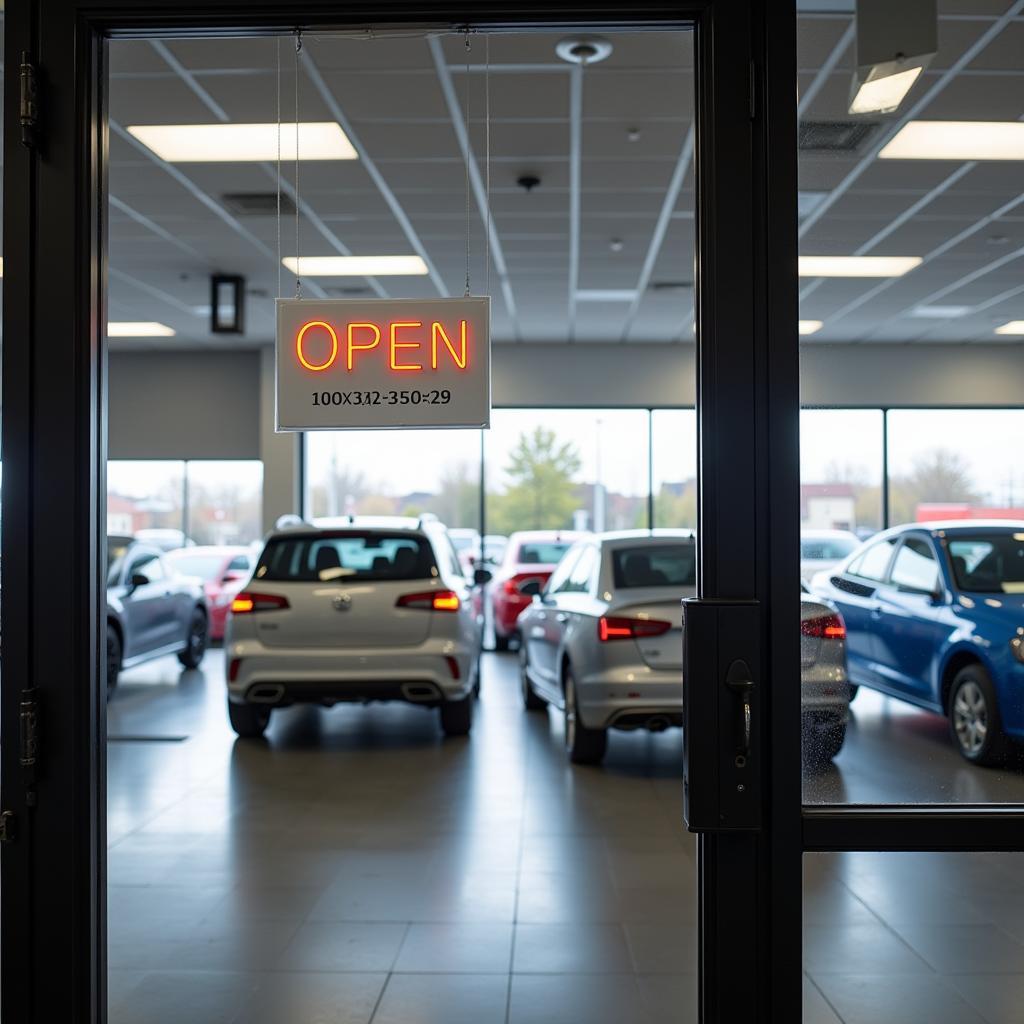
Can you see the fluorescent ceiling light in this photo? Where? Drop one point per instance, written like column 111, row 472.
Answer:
column 605, row 294
column 355, row 266
column 857, row 266
column 138, row 329
column 941, row 312
column 1013, row 327
column 810, row 326
column 234, row 143
column 883, row 95
column 957, row 140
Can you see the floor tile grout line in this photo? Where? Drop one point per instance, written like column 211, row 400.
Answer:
column 828, row 1002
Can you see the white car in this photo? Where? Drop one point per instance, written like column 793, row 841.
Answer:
column 370, row 609
column 603, row 642
column 824, row 549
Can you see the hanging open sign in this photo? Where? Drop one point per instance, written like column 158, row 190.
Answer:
column 383, row 363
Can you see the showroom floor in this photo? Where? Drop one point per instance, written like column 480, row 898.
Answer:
column 357, row 868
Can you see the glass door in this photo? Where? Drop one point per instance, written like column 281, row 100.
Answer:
column 57, row 193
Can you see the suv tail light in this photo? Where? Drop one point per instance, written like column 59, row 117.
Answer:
column 249, row 601
column 616, row 627
column 825, row 627
column 431, row 600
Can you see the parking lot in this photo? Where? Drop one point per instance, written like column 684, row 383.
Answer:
column 356, row 866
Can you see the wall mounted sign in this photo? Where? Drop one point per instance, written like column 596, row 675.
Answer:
column 365, row 364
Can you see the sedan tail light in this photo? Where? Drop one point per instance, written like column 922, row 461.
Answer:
column 615, row 627
column 825, row 627
column 233, row 666
column 248, row 601
column 512, row 585
column 431, row 600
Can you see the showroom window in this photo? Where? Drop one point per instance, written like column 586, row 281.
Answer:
column 955, row 464
column 674, row 467
column 405, row 473
column 174, row 502
column 583, row 469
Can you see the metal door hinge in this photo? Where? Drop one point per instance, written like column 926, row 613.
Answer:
column 7, row 826
column 28, row 112
column 28, row 749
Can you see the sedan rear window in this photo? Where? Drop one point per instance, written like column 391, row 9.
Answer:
column 663, row 565
column 547, row 552
column 990, row 564
column 347, row 558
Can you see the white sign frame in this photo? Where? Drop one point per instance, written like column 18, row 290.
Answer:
column 383, row 364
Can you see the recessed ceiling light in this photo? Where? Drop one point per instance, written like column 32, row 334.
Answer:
column 884, row 95
column 1013, row 327
column 138, row 329
column 810, row 326
column 605, row 294
column 957, row 140
column 941, row 312
column 355, row 266
column 857, row 266
column 235, row 143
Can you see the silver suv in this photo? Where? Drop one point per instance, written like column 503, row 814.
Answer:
column 354, row 610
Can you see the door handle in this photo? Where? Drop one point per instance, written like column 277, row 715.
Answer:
column 740, row 683
column 561, row 617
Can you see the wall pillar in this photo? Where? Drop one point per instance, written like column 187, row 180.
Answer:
column 280, row 453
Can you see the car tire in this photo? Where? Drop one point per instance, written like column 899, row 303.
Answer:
column 196, row 640
column 500, row 642
column 822, row 742
column 248, row 722
column 114, row 654
column 583, row 745
column 457, row 716
column 974, row 719
column 530, row 699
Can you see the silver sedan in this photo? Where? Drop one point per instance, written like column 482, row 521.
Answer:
column 603, row 642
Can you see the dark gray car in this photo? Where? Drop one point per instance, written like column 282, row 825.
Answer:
column 151, row 610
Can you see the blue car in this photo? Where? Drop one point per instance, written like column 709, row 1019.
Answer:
column 934, row 615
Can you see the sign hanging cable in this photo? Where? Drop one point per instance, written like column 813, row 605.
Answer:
column 469, row 153
column 277, row 42
column 298, row 250
column 487, row 162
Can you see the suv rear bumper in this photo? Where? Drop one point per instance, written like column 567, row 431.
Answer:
column 429, row 674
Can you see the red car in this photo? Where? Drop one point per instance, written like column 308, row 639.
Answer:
column 529, row 560
column 223, row 570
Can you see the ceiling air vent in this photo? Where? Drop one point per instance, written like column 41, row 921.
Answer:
column 257, row 204
column 834, row 136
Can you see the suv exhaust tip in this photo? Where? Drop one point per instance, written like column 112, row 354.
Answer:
column 416, row 693
column 658, row 723
column 265, row 693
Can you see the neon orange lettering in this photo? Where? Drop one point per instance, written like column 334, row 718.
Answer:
column 353, row 347
column 437, row 330
column 334, row 346
column 395, row 344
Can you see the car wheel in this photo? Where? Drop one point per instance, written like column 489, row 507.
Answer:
column 248, row 722
column 195, row 642
column 457, row 716
column 822, row 742
column 974, row 718
column 530, row 699
column 113, row 658
column 500, row 642
column 583, row 745
column 853, row 688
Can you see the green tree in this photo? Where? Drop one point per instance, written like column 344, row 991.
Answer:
column 541, row 495
column 938, row 475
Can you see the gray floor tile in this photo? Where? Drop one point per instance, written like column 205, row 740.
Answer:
column 443, row 999
column 858, row 949
column 966, row 949
column 997, row 997
column 364, row 947
column 170, row 997
column 895, row 999
column 578, row 999
column 313, row 998
column 571, row 949
column 456, row 949
column 662, row 948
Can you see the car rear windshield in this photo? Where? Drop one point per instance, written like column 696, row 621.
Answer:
column 663, row 565
column 203, row 566
column 988, row 564
column 347, row 558
column 826, row 549
column 542, row 552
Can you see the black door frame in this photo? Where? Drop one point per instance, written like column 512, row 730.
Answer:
column 53, row 960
